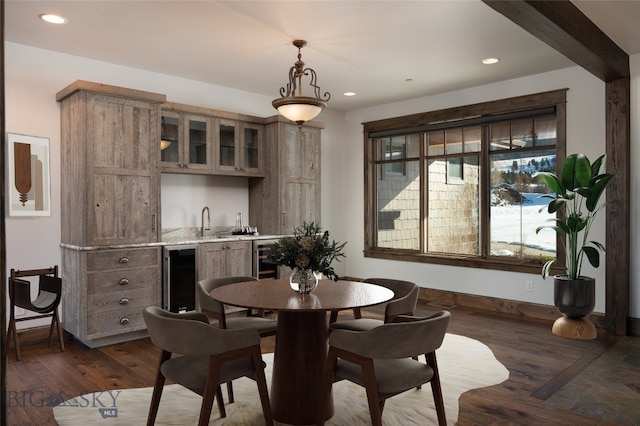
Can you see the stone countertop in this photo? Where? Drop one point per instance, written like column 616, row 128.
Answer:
column 184, row 236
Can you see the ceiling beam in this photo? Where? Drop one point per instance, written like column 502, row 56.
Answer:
column 561, row 25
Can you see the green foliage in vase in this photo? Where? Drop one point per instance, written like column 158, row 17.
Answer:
column 309, row 248
column 576, row 194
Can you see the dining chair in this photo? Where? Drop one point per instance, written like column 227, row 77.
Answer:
column 384, row 360
column 46, row 303
column 208, row 356
column 404, row 301
column 216, row 312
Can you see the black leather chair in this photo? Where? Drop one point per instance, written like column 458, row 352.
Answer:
column 46, row 303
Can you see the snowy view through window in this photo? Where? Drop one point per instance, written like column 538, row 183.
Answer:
column 514, row 222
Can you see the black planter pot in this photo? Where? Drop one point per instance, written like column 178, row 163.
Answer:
column 575, row 298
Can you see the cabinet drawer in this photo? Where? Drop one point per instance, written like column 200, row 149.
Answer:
column 115, row 322
column 125, row 280
column 119, row 300
column 117, row 259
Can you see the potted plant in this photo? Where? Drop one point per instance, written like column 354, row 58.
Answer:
column 575, row 194
column 308, row 252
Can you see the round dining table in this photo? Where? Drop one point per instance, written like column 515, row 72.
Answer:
column 301, row 336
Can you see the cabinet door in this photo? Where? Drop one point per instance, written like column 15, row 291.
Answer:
column 226, row 259
column 197, row 149
column 251, row 158
column 210, row 261
column 227, row 151
column 301, row 178
column 238, row 259
column 171, row 154
column 190, row 148
column 123, row 183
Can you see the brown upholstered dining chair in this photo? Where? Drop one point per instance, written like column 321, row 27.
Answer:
column 216, row 312
column 46, row 303
column 388, row 369
column 208, row 357
column 403, row 302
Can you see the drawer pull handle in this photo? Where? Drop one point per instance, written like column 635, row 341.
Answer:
column 124, row 260
column 124, row 301
column 124, row 281
column 124, row 321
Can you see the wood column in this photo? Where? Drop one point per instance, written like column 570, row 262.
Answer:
column 618, row 215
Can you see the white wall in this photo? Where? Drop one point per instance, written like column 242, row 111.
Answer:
column 225, row 197
column 33, row 76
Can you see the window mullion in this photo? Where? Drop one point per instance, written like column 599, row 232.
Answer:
column 485, row 185
column 424, row 188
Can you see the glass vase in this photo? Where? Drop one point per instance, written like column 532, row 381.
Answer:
column 303, row 281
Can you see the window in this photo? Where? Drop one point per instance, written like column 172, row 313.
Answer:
column 456, row 186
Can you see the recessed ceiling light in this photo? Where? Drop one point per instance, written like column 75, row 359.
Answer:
column 53, row 19
column 490, row 61
column 349, row 93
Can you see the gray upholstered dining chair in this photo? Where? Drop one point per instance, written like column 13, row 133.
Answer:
column 388, row 369
column 216, row 312
column 403, row 302
column 209, row 356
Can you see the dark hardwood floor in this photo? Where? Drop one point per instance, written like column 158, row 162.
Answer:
column 540, row 364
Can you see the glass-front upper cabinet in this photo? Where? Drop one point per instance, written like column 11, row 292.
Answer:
column 185, row 143
column 252, row 148
column 227, row 145
column 238, row 148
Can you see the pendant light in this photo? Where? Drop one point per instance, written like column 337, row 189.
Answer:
column 293, row 105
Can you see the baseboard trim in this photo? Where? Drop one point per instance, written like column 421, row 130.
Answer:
column 513, row 308
column 445, row 299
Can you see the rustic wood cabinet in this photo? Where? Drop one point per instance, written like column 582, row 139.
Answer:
column 106, row 290
column 289, row 194
column 238, row 148
column 211, row 142
column 109, row 162
column 110, row 192
column 190, row 150
column 224, row 259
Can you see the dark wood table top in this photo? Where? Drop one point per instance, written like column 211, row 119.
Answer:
column 277, row 295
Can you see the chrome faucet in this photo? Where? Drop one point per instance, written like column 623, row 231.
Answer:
column 202, row 228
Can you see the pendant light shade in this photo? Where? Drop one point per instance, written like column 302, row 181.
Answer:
column 165, row 140
column 164, row 144
column 293, row 105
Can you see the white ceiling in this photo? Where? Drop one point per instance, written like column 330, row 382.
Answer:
column 368, row 47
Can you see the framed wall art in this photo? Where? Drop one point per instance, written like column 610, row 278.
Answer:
column 29, row 175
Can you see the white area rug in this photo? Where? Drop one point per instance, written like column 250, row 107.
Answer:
column 464, row 364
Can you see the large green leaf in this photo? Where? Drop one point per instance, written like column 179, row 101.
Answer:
column 598, row 166
column 576, row 223
column 593, row 255
column 576, row 171
column 596, row 192
column 556, row 205
column 551, row 181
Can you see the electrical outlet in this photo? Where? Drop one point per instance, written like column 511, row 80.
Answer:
column 529, row 285
column 19, row 312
